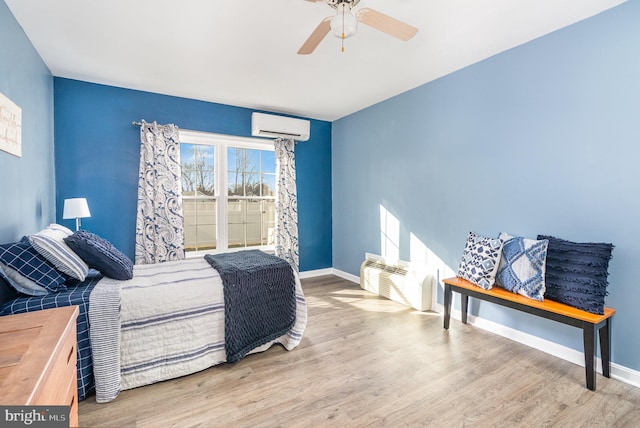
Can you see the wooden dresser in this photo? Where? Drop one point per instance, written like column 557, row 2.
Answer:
column 38, row 359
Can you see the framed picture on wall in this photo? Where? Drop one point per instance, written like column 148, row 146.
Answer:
column 10, row 126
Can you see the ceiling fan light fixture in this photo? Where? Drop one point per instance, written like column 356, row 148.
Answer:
column 344, row 22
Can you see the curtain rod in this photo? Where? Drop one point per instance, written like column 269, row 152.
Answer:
column 136, row 123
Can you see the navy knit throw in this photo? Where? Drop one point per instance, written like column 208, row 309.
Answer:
column 259, row 299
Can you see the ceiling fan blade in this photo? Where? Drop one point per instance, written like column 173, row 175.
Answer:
column 386, row 24
column 316, row 37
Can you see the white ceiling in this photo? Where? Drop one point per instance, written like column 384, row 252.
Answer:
column 243, row 52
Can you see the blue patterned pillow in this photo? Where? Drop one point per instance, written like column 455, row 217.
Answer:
column 577, row 273
column 22, row 258
column 522, row 266
column 100, row 254
column 480, row 260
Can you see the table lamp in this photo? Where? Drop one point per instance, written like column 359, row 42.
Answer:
column 76, row 208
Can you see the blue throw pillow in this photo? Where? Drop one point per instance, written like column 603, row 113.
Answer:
column 100, row 254
column 480, row 259
column 522, row 266
column 22, row 258
column 577, row 273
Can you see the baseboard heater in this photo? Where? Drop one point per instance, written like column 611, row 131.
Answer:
column 400, row 281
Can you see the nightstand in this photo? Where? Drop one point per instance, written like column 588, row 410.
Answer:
column 38, row 359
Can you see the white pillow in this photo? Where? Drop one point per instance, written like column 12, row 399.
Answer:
column 49, row 243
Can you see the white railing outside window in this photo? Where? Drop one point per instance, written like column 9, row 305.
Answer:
column 228, row 190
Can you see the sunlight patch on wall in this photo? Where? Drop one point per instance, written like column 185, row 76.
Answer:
column 420, row 253
column 389, row 235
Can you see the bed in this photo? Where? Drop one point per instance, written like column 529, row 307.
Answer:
column 169, row 320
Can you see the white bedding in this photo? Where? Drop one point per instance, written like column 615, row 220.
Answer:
column 171, row 324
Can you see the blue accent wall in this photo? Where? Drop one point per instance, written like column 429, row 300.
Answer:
column 543, row 138
column 27, row 186
column 98, row 149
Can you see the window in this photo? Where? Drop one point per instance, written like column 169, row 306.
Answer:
column 228, row 191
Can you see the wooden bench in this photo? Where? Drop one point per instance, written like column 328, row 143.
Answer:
column 549, row 309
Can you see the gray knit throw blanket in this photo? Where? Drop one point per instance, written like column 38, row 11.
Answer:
column 259, row 299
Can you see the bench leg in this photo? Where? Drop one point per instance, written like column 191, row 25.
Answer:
column 605, row 348
column 447, row 306
column 464, row 305
column 589, row 332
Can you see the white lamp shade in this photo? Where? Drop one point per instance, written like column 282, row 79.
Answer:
column 344, row 22
column 76, row 208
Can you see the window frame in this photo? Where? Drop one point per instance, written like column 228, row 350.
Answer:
column 221, row 144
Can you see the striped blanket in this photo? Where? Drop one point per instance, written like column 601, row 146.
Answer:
column 178, row 304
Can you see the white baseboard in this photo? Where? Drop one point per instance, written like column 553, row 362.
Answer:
column 621, row 373
column 317, row 272
column 330, row 271
column 347, row 276
column 625, row 374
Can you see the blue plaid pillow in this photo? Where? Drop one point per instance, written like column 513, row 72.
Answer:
column 20, row 283
column 25, row 260
column 101, row 255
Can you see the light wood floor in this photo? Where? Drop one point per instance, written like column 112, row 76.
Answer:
column 367, row 361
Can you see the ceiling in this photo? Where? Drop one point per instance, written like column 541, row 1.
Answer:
column 243, row 52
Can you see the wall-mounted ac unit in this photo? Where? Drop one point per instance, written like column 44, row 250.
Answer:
column 399, row 281
column 272, row 126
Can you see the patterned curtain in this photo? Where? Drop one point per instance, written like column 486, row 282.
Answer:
column 286, row 203
column 160, row 222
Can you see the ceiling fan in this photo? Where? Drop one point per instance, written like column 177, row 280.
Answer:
column 344, row 24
